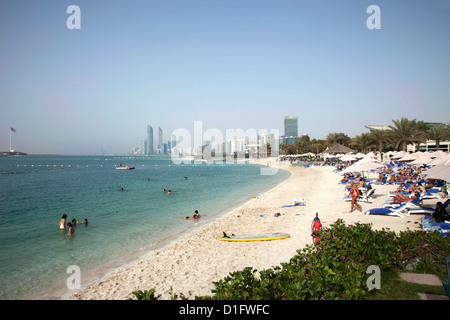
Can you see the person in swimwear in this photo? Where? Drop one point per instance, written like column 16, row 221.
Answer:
column 399, row 198
column 194, row 217
column 62, row 223
column 71, row 230
column 354, row 192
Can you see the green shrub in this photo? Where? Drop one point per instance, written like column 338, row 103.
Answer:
column 335, row 268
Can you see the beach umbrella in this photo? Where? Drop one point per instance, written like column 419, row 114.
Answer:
column 387, row 158
column 438, row 153
column 407, row 157
column 441, row 172
column 362, row 166
column 421, row 160
column 398, row 155
column 412, row 156
column 438, row 160
column 338, row 148
column 348, row 157
column 366, row 159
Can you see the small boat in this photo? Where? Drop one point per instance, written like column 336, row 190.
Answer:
column 125, row 168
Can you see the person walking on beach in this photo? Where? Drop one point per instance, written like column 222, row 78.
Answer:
column 62, row 223
column 354, row 192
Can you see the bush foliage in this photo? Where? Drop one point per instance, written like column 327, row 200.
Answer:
column 336, row 267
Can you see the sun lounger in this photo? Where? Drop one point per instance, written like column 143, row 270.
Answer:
column 296, row 203
column 400, row 211
column 390, row 204
column 365, row 197
column 432, row 193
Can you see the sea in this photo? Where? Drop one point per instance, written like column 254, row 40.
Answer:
column 35, row 191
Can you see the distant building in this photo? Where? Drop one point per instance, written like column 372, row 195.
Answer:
column 290, row 126
column 289, row 140
column 430, row 145
column 377, row 127
column 144, row 147
column 149, row 140
column 160, row 141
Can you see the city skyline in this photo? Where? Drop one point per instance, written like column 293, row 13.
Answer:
column 234, row 64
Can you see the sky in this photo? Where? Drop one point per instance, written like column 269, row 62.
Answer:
column 232, row 64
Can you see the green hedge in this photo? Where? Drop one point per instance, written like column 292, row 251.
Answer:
column 334, row 268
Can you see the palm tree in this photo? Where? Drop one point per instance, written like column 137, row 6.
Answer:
column 284, row 148
column 363, row 141
column 317, row 146
column 403, row 132
column 438, row 134
column 337, row 138
column 380, row 136
column 421, row 134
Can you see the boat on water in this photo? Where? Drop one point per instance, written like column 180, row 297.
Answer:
column 127, row 167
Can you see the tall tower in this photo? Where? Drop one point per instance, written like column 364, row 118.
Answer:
column 291, row 126
column 160, row 140
column 149, row 140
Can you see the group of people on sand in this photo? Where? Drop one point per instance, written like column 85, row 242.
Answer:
column 63, row 224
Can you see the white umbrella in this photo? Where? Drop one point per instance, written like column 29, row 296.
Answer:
column 438, row 160
column 347, row 158
column 399, row 155
column 441, row 172
column 362, row 166
column 421, row 160
column 438, row 153
column 367, row 159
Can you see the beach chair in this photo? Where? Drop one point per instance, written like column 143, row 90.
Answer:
column 365, row 197
column 390, row 204
column 296, row 203
column 432, row 193
column 446, row 284
column 400, row 211
column 383, row 181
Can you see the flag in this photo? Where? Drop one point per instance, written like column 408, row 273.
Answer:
column 13, row 130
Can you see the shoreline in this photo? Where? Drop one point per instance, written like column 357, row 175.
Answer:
column 60, row 292
column 190, row 263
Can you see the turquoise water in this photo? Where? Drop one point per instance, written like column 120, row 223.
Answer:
column 36, row 191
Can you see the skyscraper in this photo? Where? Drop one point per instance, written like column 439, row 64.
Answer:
column 291, row 126
column 149, row 140
column 160, row 141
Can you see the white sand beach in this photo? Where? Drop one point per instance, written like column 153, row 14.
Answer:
column 190, row 264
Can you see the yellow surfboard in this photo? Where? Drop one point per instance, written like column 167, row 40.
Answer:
column 255, row 237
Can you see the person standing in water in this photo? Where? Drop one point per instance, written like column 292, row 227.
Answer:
column 62, row 223
column 71, row 230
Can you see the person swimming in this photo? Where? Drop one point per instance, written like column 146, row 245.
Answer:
column 194, row 217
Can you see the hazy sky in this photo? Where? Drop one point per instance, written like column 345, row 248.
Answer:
column 229, row 63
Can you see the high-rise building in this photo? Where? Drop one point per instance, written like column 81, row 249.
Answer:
column 144, row 147
column 149, row 140
column 160, row 141
column 291, row 126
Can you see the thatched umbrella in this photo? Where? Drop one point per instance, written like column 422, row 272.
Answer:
column 338, row 148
